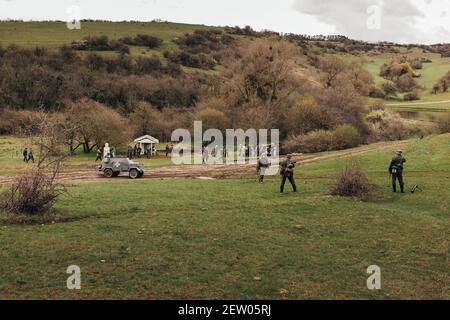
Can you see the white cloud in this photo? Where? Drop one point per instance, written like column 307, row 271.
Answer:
column 406, row 21
column 401, row 20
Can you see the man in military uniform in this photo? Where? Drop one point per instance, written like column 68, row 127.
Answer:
column 396, row 171
column 287, row 172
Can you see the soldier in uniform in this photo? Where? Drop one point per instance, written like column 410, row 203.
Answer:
column 287, row 172
column 396, row 171
column 25, row 155
column 99, row 154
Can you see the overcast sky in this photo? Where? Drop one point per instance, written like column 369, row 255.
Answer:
column 406, row 21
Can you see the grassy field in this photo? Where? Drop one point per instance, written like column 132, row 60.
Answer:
column 55, row 34
column 430, row 74
column 194, row 239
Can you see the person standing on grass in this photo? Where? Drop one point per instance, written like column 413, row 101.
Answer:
column 167, row 150
column 263, row 164
column 25, row 155
column 99, row 154
column 30, row 156
column 287, row 173
column 130, row 153
column 396, row 171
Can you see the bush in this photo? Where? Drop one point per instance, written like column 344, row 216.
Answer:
column 31, row 194
column 353, row 181
column 201, row 61
column 414, row 95
column 315, row 141
column 386, row 125
column 405, row 83
column 143, row 40
column 444, row 123
column 376, row 92
column 345, row 137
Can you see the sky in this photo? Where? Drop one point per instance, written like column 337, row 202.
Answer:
column 404, row 21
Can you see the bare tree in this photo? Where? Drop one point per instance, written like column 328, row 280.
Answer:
column 36, row 191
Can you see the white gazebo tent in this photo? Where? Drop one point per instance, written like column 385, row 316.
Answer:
column 148, row 144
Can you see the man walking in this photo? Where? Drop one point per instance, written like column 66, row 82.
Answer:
column 287, row 173
column 396, row 171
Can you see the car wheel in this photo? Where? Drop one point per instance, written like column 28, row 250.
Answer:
column 134, row 174
column 108, row 173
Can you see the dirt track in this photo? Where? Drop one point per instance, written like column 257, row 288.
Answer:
column 216, row 171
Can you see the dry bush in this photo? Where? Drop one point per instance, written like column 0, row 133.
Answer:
column 386, row 125
column 315, row 141
column 353, row 181
column 343, row 137
column 444, row 123
column 35, row 192
column 32, row 194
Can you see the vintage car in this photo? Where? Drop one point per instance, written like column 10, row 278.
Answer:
column 112, row 167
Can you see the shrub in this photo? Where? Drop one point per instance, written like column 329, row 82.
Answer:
column 31, row 194
column 444, row 123
column 411, row 96
column 143, row 40
column 315, row 141
column 353, row 181
column 345, row 137
column 376, row 92
column 386, row 125
column 187, row 59
column 405, row 83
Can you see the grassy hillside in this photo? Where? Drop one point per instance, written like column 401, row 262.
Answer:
column 56, row 34
column 209, row 239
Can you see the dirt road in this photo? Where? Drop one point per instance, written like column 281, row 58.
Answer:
column 218, row 171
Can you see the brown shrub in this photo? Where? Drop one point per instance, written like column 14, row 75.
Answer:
column 32, row 194
column 352, row 182
column 444, row 123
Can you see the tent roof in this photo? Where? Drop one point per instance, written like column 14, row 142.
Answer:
column 146, row 139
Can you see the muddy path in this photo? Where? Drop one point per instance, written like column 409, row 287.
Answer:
column 218, row 171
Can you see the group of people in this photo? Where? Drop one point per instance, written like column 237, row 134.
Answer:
column 138, row 152
column 287, row 167
column 286, row 170
column 244, row 151
column 105, row 152
column 28, row 155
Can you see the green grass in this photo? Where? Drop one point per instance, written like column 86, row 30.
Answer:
column 208, row 239
column 55, row 34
